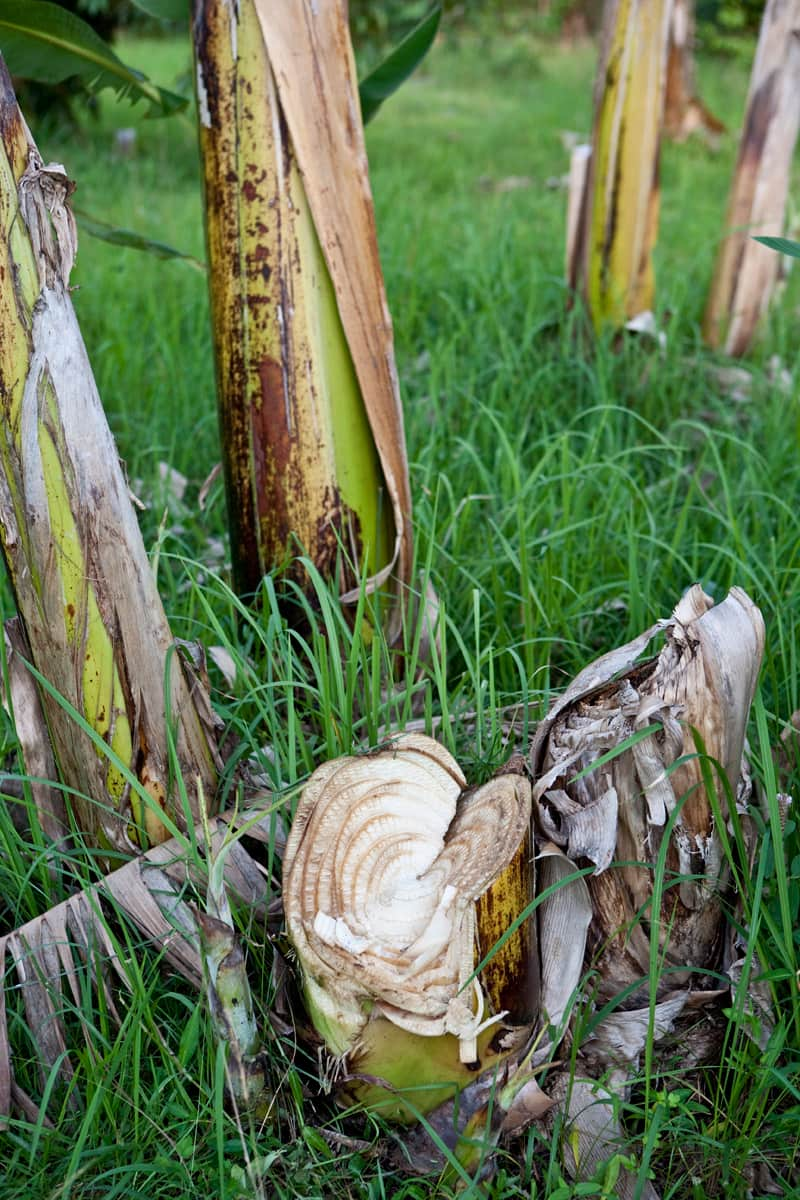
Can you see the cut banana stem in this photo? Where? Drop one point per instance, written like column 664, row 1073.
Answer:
column 75, row 557
column 309, row 407
column 386, row 859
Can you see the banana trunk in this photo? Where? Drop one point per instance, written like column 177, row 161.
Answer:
column 651, row 800
column 398, row 882
column 74, row 554
column 616, row 270
column 309, row 408
column 746, row 272
column 649, row 824
column 684, row 111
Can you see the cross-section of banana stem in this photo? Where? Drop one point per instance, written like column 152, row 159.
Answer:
column 398, row 883
column 309, row 407
column 612, row 257
column 74, row 554
column 746, row 272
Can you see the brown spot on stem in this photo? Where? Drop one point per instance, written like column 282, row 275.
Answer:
column 274, row 469
column 329, row 535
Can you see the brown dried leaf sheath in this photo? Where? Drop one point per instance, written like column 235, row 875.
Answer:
column 25, row 707
column 704, row 678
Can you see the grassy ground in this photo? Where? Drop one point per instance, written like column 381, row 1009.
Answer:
column 563, row 500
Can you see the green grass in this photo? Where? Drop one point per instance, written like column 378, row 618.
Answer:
column 565, row 495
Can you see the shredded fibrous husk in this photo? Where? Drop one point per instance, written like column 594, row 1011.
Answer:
column 702, row 680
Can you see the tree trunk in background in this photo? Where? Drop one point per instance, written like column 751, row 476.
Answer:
column 580, row 19
column 75, row 557
column 613, row 257
column 312, row 428
column 745, row 272
column 684, row 111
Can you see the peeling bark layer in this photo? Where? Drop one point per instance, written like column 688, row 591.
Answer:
column 75, row 557
column 745, row 271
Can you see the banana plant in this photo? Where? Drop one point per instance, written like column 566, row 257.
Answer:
column 614, row 199
column 129, row 723
column 112, row 686
column 745, row 273
column 394, row 868
column 44, row 42
column 684, row 111
column 310, row 416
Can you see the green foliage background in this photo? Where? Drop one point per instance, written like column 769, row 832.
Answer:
column 718, row 20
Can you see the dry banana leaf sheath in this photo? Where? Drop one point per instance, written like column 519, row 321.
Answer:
column 745, row 272
column 49, row 965
column 82, row 582
column 704, row 679
column 615, row 818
